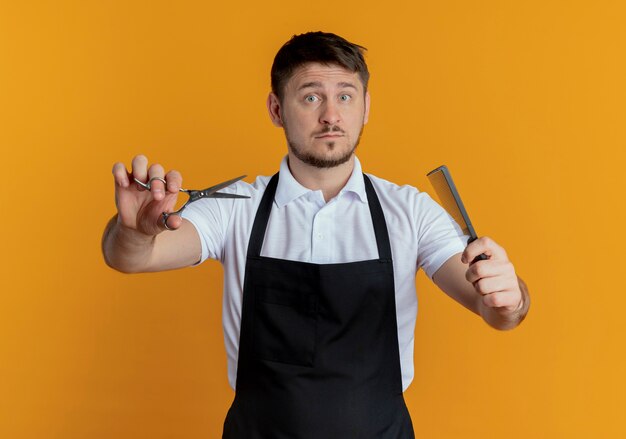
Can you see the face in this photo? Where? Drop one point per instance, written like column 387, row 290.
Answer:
column 323, row 112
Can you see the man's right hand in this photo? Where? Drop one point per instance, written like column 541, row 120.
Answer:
column 132, row 241
column 140, row 209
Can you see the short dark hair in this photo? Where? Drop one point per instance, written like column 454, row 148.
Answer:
column 321, row 47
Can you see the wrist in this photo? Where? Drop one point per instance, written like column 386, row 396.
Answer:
column 130, row 234
column 126, row 249
column 517, row 315
column 503, row 318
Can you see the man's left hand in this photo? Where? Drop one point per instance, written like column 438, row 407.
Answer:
column 494, row 278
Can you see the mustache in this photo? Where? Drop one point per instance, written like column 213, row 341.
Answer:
column 329, row 129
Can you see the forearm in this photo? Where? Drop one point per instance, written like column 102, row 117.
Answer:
column 125, row 249
column 502, row 319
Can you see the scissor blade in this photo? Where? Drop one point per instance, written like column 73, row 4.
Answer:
column 211, row 190
column 223, row 195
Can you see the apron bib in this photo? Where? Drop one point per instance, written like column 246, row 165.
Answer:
column 318, row 347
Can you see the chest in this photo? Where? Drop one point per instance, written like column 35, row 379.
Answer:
column 310, row 230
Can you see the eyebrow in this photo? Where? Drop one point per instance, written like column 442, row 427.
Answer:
column 317, row 84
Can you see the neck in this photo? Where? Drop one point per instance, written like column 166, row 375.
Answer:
column 328, row 180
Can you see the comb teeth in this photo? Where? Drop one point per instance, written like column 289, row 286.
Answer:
column 441, row 180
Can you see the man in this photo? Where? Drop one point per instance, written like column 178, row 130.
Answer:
column 320, row 262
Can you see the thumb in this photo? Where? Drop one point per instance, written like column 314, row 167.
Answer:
column 170, row 222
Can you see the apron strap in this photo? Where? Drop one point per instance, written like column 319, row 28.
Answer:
column 378, row 219
column 261, row 219
column 265, row 207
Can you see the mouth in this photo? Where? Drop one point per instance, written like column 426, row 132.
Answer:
column 329, row 136
column 330, row 133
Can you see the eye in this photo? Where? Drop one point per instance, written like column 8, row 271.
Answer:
column 345, row 98
column 311, row 98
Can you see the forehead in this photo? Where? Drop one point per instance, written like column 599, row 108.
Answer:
column 327, row 75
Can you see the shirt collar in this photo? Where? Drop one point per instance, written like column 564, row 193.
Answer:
column 289, row 189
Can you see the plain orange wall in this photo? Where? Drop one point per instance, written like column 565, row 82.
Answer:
column 524, row 101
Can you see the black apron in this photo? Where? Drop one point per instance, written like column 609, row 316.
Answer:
column 318, row 347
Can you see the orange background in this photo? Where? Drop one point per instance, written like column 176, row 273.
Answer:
column 524, row 101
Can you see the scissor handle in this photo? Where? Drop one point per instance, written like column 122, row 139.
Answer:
column 165, row 216
column 194, row 195
column 190, row 200
column 148, row 185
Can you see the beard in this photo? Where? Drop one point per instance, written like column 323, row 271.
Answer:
column 319, row 160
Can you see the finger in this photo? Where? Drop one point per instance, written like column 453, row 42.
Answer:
column 491, row 285
column 483, row 245
column 501, row 299
column 157, row 188
column 174, row 181
column 140, row 169
column 488, row 268
column 120, row 175
column 173, row 222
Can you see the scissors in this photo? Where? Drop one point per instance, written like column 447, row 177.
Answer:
column 195, row 195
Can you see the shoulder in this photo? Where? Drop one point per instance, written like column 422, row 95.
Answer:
column 253, row 190
column 245, row 208
column 390, row 192
column 407, row 205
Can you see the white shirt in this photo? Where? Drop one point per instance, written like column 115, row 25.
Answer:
column 303, row 227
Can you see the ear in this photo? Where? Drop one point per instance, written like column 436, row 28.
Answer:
column 367, row 108
column 273, row 107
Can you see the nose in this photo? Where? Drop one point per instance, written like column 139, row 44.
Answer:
column 330, row 114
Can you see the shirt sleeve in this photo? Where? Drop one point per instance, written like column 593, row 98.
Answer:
column 210, row 217
column 439, row 235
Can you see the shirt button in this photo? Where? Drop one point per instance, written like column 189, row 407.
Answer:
column 320, row 236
